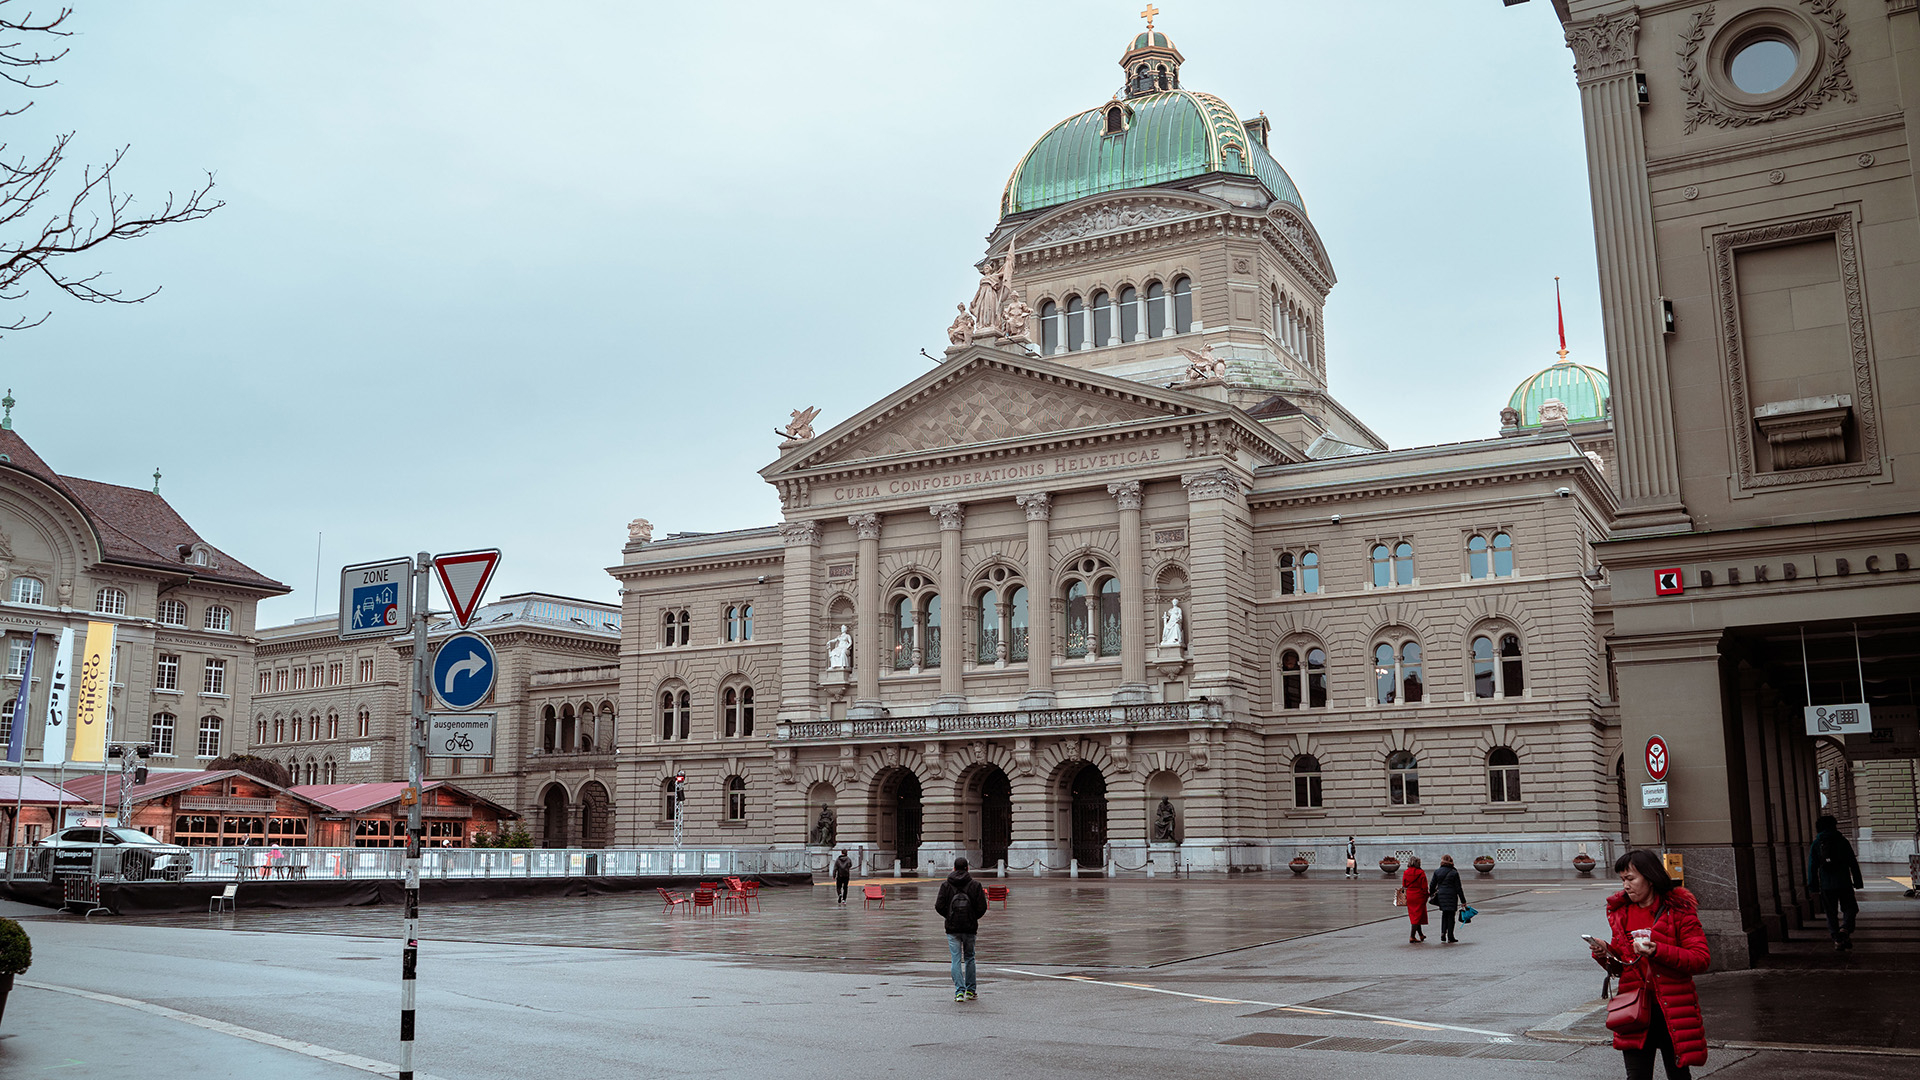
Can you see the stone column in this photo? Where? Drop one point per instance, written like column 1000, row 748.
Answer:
column 801, row 653
column 1039, row 571
column 1133, row 585
column 866, row 643
column 1605, row 56
column 953, row 609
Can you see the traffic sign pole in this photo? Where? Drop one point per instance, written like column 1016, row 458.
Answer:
column 416, row 765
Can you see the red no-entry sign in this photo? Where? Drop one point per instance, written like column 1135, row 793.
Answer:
column 1657, row 759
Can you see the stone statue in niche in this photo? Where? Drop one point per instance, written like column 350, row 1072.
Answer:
column 1171, row 630
column 826, row 828
column 801, row 427
column 1163, row 823
column 961, row 330
column 839, row 650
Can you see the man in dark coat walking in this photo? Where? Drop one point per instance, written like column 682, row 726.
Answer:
column 1833, row 870
column 961, row 902
column 842, row 872
column 1447, row 895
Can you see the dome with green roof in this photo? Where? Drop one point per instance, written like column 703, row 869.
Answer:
column 1156, row 133
column 1583, row 390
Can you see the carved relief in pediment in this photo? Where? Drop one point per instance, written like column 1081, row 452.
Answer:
column 990, row 407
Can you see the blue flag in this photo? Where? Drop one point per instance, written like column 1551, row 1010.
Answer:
column 17, row 742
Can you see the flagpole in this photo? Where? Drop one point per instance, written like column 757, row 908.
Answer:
column 17, row 736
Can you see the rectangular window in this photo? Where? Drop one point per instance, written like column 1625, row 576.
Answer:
column 16, row 655
column 366, row 669
column 6, row 720
column 216, row 681
column 166, row 672
column 163, row 734
column 209, row 736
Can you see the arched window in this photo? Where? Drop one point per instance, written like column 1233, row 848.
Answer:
column 209, row 737
column 1403, row 563
column 329, row 772
column 1161, row 79
column 1076, row 327
column 1303, row 678
column 550, row 730
column 172, row 613
column 736, row 711
column 1288, row 574
column 1156, row 310
column 1116, row 120
column 313, row 771
column 736, row 799
column 1102, row 306
column 1016, row 607
column 1396, row 673
column 1382, row 559
column 219, row 618
column 1129, row 314
column 110, row 601
column 669, row 800
column 1477, row 563
column 1501, row 674
column 259, row 730
column 279, row 729
column 1502, row 555
column 1049, row 328
column 1182, row 305
column 1298, row 573
column 365, row 723
column 731, row 625
column 27, row 590
column 1490, row 558
column 676, row 713
column 986, row 616
column 676, row 627
column 916, row 624
column 1503, row 775
column 1111, row 628
column 1403, row 779
column 1142, row 79
column 163, row 724
column 1076, row 620
column 930, row 630
column 333, row 725
column 1306, row 782
column 746, row 622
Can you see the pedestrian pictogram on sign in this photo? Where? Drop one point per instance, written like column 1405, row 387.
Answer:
column 463, row 577
column 1668, row 583
column 1657, row 759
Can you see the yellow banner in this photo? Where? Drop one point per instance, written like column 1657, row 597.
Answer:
column 91, row 694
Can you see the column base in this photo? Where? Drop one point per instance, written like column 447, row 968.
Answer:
column 949, row 705
column 1037, row 698
column 866, row 710
column 1650, row 521
column 1132, row 694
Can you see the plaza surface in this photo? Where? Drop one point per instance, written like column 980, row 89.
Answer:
column 1132, row 978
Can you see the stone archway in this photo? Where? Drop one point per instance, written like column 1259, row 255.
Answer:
column 1087, row 800
column 596, row 815
column 897, row 816
column 553, row 805
column 996, row 817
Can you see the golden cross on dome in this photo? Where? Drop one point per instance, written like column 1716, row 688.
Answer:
column 1148, row 15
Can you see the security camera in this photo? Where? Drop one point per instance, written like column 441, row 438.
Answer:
column 1335, row 519
column 762, row 579
column 1563, row 492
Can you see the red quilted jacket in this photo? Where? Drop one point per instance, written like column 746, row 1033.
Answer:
column 1680, row 953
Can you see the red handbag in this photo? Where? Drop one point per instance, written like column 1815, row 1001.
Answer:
column 1630, row 1012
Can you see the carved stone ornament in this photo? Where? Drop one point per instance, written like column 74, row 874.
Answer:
column 952, row 515
column 1126, row 493
column 1039, row 505
column 1203, row 366
column 865, row 526
column 1704, row 107
column 1599, row 462
column 1605, row 46
column 6, row 545
column 639, row 531
column 800, row 532
column 1013, row 322
column 801, row 427
column 960, row 331
column 1553, row 411
column 1108, row 219
column 1216, row 484
column 783, row 763
column 1509, row 417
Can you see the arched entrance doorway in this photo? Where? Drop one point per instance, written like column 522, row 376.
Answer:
column 596, row 815
column 554, row 817
column 1088, row 794
column 996, row 817
column 899, row 817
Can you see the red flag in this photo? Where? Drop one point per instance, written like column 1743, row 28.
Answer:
column 1561, row 315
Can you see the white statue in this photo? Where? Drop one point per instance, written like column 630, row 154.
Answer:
column 996, row 287
column 839, row 649
column 961, row 332
column 801, row 429
column 1013, row 325
column 1170, row 630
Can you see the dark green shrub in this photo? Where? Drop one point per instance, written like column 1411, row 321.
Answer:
column 16, row 951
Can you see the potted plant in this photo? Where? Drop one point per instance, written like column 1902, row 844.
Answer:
column 1298, row 865
column 1389, row 865
column 1484, row 864
column 1583, row 863
column 16, row 956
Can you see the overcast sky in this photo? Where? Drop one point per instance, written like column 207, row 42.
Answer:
column 510, row 275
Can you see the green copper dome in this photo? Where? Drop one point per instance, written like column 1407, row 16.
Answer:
column 1583, row 390
column 1168, row 135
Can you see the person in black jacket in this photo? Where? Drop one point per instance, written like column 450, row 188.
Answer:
column 1447, row 895
column 961, row 902
column 1834, row 871
column 842, row 872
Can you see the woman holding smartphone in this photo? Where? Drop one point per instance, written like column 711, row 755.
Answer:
column 1657, row 942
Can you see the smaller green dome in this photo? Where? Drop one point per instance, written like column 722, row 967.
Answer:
column 1151, row 39
column 1585, row 392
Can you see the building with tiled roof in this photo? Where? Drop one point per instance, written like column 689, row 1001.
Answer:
column 76, row 552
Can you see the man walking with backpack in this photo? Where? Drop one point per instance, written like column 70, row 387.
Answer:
column 1833, row 870
column 961, row 902
column 842, row 871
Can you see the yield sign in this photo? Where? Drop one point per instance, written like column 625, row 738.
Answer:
column 463, row 577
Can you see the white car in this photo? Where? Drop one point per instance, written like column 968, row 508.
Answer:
column 132, row 854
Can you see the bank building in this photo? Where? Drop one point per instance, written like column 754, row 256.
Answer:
column 1121, row 580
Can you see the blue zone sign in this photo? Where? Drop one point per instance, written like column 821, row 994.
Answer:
column 376, row 599
column 463, row 671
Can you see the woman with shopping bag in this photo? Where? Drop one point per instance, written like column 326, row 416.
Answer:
column 1413, row 886
column 1657, row 947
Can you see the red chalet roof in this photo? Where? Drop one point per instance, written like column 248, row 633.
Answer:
column 360, row 798
column 135, row 527
column 158, row 785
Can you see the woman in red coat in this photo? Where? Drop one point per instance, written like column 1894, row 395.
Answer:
column 1656, row 929
column 1414, row 880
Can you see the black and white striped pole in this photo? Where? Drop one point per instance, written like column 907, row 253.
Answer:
column 416, row 766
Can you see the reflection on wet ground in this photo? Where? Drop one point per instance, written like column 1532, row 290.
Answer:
column 1046, row 921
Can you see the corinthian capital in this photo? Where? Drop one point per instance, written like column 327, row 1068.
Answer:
column 800, row 532
column 1604, row 46
column 865, row 526
column 951, row 515
column 1039, row 506
column 1215, row 484
column 1127, row 492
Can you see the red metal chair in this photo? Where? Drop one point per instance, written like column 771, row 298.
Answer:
column 673, row 899
column 997, row 892
column 872, row 893
column 702, row 898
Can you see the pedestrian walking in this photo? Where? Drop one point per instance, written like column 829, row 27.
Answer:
column 1656, row 949
column 1414, row 881
column 961, row 902
column 1353, row 858
column 1448, row 896
column 1834, row 872
column 842, row 872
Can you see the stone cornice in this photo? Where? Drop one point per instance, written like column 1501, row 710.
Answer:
column 695, row 561
column 1359, row 490
column 1762, row 154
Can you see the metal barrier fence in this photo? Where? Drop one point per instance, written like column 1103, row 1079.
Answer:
column 312, row 863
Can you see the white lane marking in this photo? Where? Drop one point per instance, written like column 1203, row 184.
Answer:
column 1264, row 1004
column 312, row 1050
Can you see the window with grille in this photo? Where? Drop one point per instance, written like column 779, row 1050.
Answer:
column 110, row 601
column 219, row 618
column 172, row 613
